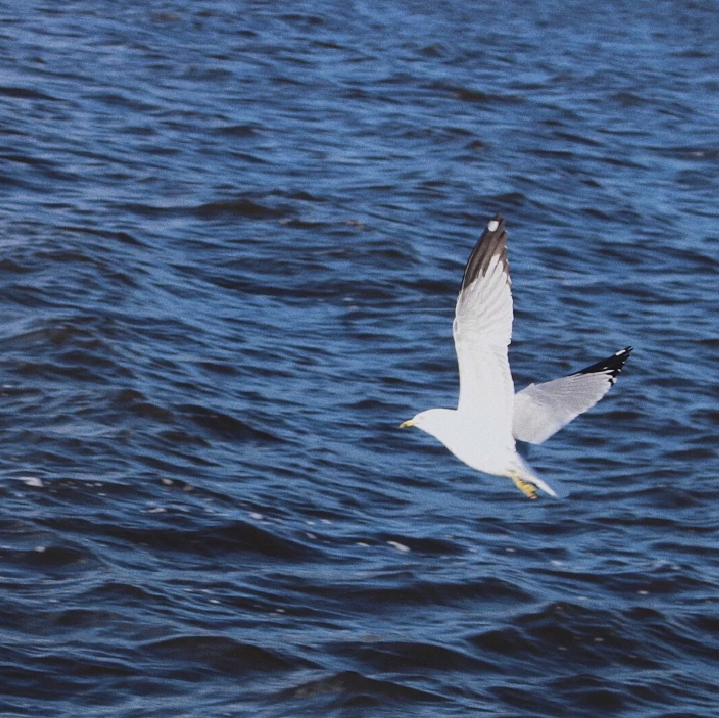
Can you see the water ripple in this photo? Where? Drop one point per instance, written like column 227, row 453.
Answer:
column 232, row 241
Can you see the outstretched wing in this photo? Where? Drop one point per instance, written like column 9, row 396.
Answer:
column 541, row 410
column 482, row 332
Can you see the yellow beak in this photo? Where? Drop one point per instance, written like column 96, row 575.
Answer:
column 406, row 424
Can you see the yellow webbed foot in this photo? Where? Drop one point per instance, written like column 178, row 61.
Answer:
column 529, row 490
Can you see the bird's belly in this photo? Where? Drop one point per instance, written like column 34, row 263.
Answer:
column 487, row 457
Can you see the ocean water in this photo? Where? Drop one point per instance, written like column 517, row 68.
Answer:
column 231, row 238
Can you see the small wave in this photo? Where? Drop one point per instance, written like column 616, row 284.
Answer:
column 54, row 559
column 238, row 130
column 123, row 237
column 223, row 425
column 217, row 541
column 411, row 656
column 469, row 94
column 695, row 153
column 424, row 545
column 214, row 653
column 425, row 593
column 24, row 93
column 571, row 634
column 242, row 207
column 350, row 688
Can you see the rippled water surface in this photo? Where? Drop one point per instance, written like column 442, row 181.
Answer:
column 232, row 234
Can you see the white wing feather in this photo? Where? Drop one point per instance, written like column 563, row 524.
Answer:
column 541, row 410
column 482, row 332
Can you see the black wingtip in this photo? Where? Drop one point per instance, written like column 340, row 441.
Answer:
column 492, row 242
column 611, row 366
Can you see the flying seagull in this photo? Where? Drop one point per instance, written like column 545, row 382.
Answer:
column 490, row 418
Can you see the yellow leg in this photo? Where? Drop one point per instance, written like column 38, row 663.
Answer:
column 529, row 490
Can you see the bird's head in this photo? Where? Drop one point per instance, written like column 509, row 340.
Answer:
column 435, row 422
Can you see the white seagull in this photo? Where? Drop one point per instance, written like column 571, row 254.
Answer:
column 490, row 418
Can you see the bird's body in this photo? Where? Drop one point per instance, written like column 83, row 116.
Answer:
column 490, row 418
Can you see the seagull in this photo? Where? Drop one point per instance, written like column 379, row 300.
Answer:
column 490, row 417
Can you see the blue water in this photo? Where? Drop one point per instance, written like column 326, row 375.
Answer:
column 232, row 235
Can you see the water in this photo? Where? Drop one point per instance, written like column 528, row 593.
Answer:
column 232, row 236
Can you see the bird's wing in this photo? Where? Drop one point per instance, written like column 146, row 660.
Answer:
column 482, row 332
column 540, row 410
